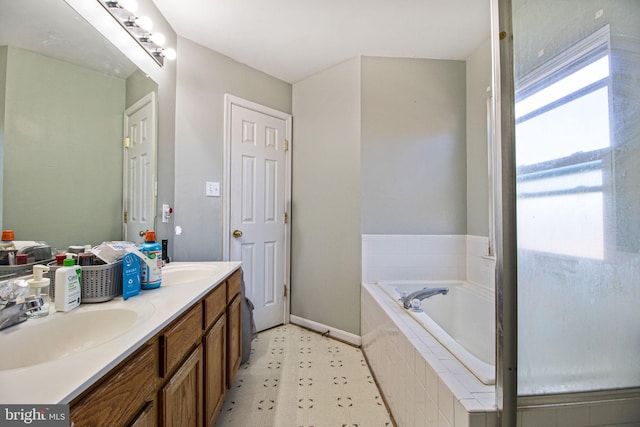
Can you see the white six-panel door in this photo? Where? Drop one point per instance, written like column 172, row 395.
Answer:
column 258, row 200
column 139, row 168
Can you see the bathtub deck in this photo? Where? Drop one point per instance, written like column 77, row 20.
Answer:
column 422, row 382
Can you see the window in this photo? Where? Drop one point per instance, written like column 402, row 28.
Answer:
column 562, row 152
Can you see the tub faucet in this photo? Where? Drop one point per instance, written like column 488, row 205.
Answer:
column 422, row 294
column 12, row 313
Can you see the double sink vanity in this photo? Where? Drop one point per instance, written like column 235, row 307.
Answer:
column 164, row 357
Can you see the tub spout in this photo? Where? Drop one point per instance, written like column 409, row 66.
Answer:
column 422, row 294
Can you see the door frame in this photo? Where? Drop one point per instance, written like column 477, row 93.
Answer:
column 149, row 98
column 229, row 101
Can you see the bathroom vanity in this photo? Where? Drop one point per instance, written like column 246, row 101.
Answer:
column 165, row 357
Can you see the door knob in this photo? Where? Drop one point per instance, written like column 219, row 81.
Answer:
column 237, row 234
column 142, row 233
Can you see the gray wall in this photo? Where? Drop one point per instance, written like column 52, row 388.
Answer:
column 62, row 151
column 379, row 147
column 166, row 78
column 325, row 264
column 3, row 83
column 138, row 85
column 478, row 80
column 203, row 78
column 413, row 146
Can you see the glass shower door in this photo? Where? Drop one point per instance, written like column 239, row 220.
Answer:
column 577, row 149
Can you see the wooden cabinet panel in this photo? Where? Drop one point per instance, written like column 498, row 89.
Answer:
column 181, row 398
column 196, row 369
column 146, row 418
column 234, row 338
column 176, row 342
column 215, row 368
column 123, row 393
column 233, row 285
column 214, row 304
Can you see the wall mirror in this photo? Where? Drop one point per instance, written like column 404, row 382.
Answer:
column 64, row 89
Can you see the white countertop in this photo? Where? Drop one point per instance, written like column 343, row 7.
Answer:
column 62, row 379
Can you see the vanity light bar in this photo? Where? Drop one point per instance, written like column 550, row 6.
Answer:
column 139, row 28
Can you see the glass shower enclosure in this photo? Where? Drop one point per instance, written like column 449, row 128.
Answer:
column 575, row 146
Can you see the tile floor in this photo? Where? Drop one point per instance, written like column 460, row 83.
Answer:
column 296, row 377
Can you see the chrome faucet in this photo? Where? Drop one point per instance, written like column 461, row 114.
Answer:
column 13, row 313
column 422, row 294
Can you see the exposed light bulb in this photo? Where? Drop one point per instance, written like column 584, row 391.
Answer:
column 144, row 22
column 169, row 53
column 158, row 38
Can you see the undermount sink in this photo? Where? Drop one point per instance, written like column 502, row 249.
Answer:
column 187, row 273
column 63, row 334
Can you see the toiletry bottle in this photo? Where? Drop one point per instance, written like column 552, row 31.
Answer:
column 8, row 248
column 39, row 286
column 153, row 251
column 130, row 275
column 68, row 279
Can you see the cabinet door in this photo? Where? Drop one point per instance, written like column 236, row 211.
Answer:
column 215, row 369
column 181, row 397
column 234, row 338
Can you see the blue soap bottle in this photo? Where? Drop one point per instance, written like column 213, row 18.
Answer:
column 153, row 251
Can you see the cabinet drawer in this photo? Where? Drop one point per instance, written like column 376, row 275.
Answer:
column 176, row 341
column 214, row 305
column 233, row 285
column 121, row 395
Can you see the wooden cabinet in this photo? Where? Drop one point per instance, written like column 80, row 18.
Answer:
column 215, row 304
column 233, row 285
column 146, row 417
column 234, row 338
column 181, row 398
column 179, row 338
column 215, row 369
column 180, row 376
column 122, row 393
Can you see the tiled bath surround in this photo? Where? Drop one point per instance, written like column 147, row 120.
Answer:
column 427, row 257
column 423, row 383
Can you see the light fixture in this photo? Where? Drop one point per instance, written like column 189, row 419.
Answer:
column 157, row 38
column 139, row 27
column 130, row 6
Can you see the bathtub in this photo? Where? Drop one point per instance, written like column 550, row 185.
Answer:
column 463, row 321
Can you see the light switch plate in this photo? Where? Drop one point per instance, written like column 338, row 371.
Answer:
column 212, row 189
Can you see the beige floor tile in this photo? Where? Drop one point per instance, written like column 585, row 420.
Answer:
column 296, row 377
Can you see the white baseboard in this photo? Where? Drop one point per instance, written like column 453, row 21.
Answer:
column 333, row 332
